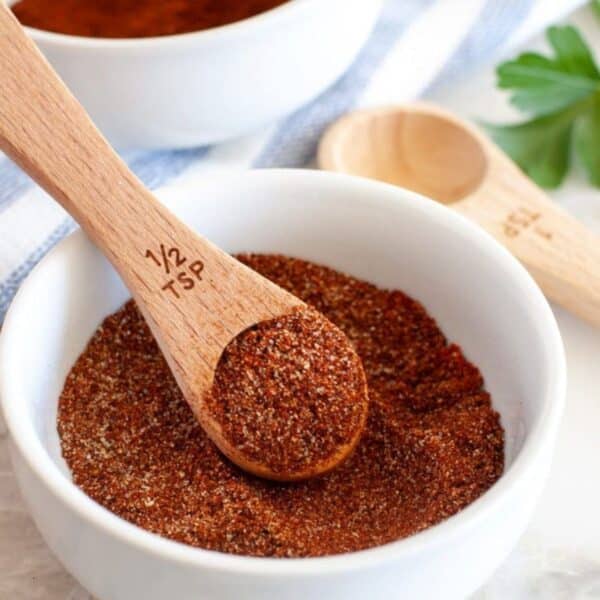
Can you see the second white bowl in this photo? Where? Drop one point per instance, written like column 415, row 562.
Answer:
column 201, row 88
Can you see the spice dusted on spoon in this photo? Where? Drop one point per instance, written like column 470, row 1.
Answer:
column 291, row 394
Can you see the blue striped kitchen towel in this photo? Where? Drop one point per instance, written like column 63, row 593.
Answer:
column 416, row 45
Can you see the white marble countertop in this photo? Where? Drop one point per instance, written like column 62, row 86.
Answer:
column 559, row 556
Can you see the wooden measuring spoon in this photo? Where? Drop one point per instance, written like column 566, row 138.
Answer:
column 429, row 150
column 195, row 297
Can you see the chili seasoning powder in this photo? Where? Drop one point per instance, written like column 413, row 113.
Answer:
column 135, row 18
column 431, row 446
column 290, row 394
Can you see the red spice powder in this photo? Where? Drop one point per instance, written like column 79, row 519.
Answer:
column 290, row 394
column 431, row 446
column 135, row 18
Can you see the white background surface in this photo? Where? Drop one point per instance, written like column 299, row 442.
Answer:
column 558, row 558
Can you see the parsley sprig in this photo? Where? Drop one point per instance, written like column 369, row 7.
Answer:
column 562, row 94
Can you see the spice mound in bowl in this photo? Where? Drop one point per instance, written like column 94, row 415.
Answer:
column 135, row 18
column 432, row 443
column 290, row 394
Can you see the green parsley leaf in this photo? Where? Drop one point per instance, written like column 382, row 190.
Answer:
column 572, row 53
column 587, row 142
column 540, row 146
column 562, row 93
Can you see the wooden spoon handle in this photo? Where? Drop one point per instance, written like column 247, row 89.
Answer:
column 195, row 297
column 46, row 131
column 561, row 254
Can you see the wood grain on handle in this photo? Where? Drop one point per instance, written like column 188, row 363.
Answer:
column 562, row 255
column 176, row 276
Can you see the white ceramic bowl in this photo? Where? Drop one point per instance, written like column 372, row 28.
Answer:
column 480, row 294
column 205, row 87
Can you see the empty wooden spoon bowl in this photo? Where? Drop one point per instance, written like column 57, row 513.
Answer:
column 429, row 150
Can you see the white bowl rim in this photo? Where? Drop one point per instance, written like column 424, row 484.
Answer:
column 375, row 193
column 242, row 26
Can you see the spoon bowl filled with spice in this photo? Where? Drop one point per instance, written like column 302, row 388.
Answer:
column 183, row 73
column 466, row 380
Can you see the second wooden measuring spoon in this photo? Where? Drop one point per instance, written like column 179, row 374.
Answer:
column 427, row 149
column 198, row 301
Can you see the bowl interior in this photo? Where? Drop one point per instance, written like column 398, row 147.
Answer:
column 481, row 297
